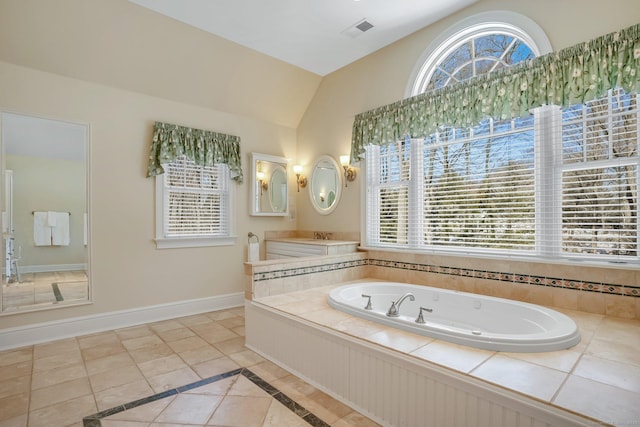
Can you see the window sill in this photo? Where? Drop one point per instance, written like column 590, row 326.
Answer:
column 193, row 242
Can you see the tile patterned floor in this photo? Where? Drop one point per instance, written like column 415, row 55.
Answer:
column 44, row 288
column 60, row 383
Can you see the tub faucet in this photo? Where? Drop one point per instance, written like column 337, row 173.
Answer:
column 394, row 310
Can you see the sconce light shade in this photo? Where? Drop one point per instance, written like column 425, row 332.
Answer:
column 301, row 181
column 349, row 172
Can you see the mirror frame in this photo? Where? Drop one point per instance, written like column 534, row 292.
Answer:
column 255, row 190
column 314, row 202
column 87, row 147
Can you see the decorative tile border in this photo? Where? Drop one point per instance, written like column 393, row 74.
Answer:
column 309, row 417
column 301, row 271
column 554, row 282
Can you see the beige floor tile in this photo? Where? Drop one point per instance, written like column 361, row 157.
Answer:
column 119, row 423
column 528, row 378
column 186, row 344
column 173, row 379
column 161, row 365
column 16, row 356
column 125, row 393
column 145, row 354
column 294, row 387
column 279, row 415
column 269, row 371
column 176, row 334
column 142, row 342
column 617, row 374
column 19, row 421
column 231, row 346
column 55, row 376
column 600, row 401
column 134, row 332
column 16, row 370
column 109, row 363
column 63, row 414
column 15, row 385
column 201, row 354
column 244, row 387
column 232, row 322
column 239, row 330
column 324, row 406
column 55, row 347
column 198, row 319
column 190, row 409
column 59, row 393
column 218, row 388
column 147, row 412
column 57, row 361
column 247, row 358
column 166, row 325
column 457, row 357
column 241, row 411
column 216, row 335
column 221, row 315
column 102, row 350
column 102, row 338
column 108, row 379
column 355, row 419
column 215, row 367
column 14, row 406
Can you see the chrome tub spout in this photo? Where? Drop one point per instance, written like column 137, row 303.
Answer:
column 394, row 310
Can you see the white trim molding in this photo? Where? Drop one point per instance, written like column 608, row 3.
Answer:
column 50, row 331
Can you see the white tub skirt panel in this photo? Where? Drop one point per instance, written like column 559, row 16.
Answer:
column 391, row 388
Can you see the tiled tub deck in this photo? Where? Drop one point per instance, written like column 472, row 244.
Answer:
column 598, row 379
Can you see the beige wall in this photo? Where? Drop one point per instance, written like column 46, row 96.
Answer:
column 127, row 271
column 48, row 184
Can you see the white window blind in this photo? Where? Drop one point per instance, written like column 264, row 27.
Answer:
column 196, row 200
column 557, row 183
column 600, row 176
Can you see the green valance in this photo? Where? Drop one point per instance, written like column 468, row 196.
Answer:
column 204, row 147
column 570, row 76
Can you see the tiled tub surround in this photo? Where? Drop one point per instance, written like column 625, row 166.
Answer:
column 612, row 291
column 599, row 379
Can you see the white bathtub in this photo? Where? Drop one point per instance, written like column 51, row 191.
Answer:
column 462, row 318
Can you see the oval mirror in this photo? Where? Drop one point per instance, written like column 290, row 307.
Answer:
column 278, row 189
column 269, row 192
column 326, row 185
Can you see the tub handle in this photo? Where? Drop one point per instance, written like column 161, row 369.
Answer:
column 368, row 306
column 420, row 318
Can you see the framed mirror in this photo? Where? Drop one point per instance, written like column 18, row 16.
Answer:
column 269, row 189
column 326, row 185
column 45, row 231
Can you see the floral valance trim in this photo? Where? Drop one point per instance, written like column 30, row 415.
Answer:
column 570, row 76
column 205, row 148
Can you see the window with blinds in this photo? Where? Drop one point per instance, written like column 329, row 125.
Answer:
column 196, row 201
column 557, row 183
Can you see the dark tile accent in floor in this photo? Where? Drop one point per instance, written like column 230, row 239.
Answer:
column 56, row 292
column 94, row 420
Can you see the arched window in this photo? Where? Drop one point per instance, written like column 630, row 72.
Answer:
column 558, row 183
column 478, row 45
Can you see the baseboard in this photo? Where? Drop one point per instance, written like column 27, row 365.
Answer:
column 46, row 268
column 50, row 331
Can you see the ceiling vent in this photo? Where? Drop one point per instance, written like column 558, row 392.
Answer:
column 358, row 28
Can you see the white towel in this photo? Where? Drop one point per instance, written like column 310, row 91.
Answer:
column 60, row 233
column 51, row 218
column 41, row 231
column 253, row 252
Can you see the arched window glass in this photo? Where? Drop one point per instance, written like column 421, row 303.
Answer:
column 481, row 45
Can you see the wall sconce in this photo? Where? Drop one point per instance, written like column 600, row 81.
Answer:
column 349, row 172
column 301, row 181
column 263, row 184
